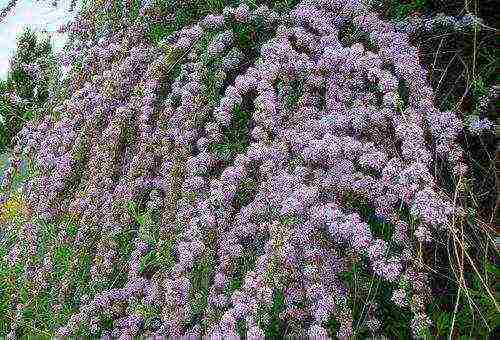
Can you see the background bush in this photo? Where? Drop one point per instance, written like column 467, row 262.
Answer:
column 25, row 90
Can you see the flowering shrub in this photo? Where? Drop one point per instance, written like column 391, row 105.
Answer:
column 212, row 185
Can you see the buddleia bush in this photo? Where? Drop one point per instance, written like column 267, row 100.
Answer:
column 255, row 173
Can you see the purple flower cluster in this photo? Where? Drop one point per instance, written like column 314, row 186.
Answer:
column 321, row 137
column 479, row 127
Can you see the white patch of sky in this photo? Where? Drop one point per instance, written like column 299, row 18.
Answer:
column 41, row 16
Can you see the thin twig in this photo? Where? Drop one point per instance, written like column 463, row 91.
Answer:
column 435, row 58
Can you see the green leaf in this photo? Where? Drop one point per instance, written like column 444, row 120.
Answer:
column 492, row 269
column 275, row 329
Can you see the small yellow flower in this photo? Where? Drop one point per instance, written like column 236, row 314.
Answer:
column 169, row 51
column 13, row 208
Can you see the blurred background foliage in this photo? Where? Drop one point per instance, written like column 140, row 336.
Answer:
column 24, row 92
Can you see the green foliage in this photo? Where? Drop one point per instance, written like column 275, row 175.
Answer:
column 332, row 326
column 351, row 34
column 293, row 99
column 125, row 244
column 378, row 226
column 38, row 317
column 236, row 137
column 62, row 257
column 350, row 275
column 478, row 87
column 213, row 5
column 396, row 319
column 159, row 258
column 404, row 93
column 144, row 219
column 213, row 83
column 244, row 264
column 241, row 328
column 81, row 275
column 32, row 93
column 245, row 35
column 158, row 31
column 8, row 286
column 202, row 277
column 283, row 5
column 9, row 120
column 402, row 9
column 245, row 193
column 134, row 13
column 184, row 14
column 477, row 319
column 275, row 328
column 106, row 322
